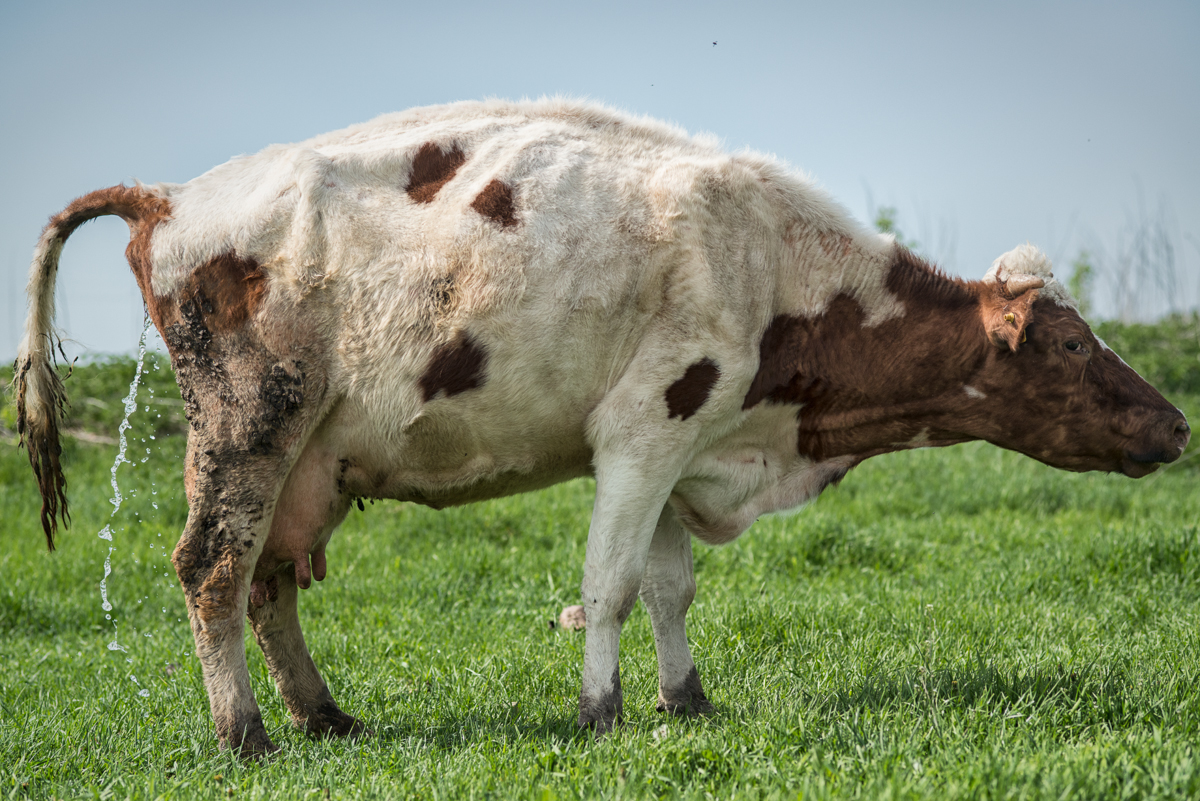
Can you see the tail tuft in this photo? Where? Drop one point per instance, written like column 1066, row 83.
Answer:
column 41, row 405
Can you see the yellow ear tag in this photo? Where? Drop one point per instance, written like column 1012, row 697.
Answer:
column 1023, row 337
column 1010, row 318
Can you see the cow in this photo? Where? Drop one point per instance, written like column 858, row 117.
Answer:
column 473, row 300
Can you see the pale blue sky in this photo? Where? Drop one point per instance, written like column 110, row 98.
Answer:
column 985, row 124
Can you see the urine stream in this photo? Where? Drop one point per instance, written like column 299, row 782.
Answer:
column 107, row 532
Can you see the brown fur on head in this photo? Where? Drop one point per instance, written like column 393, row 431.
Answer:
column 1105, row 416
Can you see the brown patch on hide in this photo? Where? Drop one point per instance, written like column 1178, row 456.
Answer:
column 454, row 367
column 834, row 364
column 865, row 390
column 431, row 170
column 778, row 376
column 496, row 203
column 685, row 397
column 228, row 290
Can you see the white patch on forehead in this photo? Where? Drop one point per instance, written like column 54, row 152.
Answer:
column 1104, row 345
column 973, row 393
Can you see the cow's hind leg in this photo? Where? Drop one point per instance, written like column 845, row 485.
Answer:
column 277, row 628
column 668, row 588
column 254, row 387
column 310, row 507
column 230, row 510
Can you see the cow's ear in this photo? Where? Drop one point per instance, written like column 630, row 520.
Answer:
column 1007, row 308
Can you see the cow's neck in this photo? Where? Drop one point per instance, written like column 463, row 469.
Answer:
column 900, row 384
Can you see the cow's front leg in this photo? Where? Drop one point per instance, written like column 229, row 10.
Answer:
column 276, row 624
column 668, row 588
column 623, row 523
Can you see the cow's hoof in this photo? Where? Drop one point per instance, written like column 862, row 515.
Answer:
column 600, row 716
column 686, row 699
column 696, row 706
column 600, row 725
column 254, row 744
column 330, row 721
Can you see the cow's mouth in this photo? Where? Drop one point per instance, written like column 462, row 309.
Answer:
column 1136, row 465
column 1136, row 468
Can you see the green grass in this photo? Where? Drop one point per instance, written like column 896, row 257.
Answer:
column 962, row 623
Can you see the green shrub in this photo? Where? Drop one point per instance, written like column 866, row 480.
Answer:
column 1165, row 353
column 96, row 392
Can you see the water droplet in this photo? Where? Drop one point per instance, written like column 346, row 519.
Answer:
column 107, row 532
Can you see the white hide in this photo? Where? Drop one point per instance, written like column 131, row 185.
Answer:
column 633, row 239
column 637, row 251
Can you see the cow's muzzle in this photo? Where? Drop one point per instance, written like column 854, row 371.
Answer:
column 1165, row 442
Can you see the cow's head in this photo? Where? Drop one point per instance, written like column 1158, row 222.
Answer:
column 1051, row 389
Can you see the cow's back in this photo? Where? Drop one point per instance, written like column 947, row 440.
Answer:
column 478, row 275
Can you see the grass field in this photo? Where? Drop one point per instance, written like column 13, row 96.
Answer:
column 962, row 623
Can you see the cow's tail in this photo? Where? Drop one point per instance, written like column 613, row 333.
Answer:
column 41, row 396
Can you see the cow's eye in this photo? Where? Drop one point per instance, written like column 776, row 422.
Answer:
column 1075, row 346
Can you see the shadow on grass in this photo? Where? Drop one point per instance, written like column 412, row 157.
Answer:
column 1093, row 694
column 454, row 732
